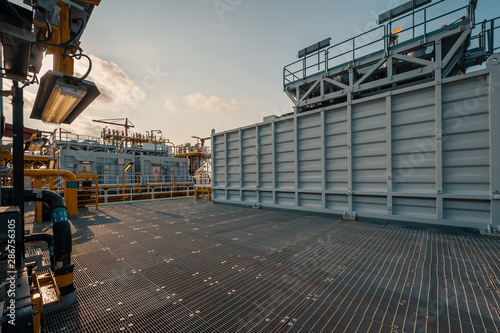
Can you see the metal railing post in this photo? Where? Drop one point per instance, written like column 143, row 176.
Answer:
column 326, row 61
column 353, row 49
column 425, row 25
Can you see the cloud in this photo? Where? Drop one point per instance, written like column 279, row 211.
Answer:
column 119, row 97
column 169, row 104
column 118, row 91
column 83, row 125
column 212, row 103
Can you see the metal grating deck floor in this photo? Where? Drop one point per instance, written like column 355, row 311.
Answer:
column 186, row 266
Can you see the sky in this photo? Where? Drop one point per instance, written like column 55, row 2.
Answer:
column 186, row 67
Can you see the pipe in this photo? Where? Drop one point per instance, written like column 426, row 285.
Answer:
column 71, row 194
column 62, row 239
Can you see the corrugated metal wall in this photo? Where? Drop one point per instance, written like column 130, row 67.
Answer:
column 427, row 153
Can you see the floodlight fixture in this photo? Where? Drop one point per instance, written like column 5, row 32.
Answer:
column 61, row 98
column 128, row 166
column 315, row 47
column 52, row 163
column 35, row 144
column 402, row 9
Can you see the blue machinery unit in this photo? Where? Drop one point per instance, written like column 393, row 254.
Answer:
column 392, row 127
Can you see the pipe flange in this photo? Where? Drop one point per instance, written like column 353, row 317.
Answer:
column 493, row 60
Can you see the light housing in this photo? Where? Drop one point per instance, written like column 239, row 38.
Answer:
column 315, row 47
column 35, row 144
column 61, row 98
column 52, row 164
column 128, row 166
column 402, row 9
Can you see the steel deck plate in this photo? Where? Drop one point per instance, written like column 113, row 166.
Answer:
column 186, row 266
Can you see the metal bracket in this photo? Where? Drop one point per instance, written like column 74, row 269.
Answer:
column 257, row 205
column 350, row 216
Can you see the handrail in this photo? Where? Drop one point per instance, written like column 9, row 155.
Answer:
column 293, row 72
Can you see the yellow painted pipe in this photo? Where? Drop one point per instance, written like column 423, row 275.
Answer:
column 70, row 194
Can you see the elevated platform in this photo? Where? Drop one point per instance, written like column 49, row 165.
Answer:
column 382, row 60
column 186, row 266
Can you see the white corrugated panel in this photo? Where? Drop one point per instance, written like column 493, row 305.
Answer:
column 427, row 153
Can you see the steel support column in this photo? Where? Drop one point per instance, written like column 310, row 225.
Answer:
column 388, row 138
column 296, row 144
column 18, row 158
column 323, row 158
column 494, row 84
column 438, row 95
column 226, row 169
column 273, row 145
column 350, row 187
column 257, row 163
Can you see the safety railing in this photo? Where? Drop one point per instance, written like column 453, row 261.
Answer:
column 91, row 192
column 188, row 149
column 493, row 34
column 203, row 180
column 203, row 184
column 423, row 23
column 109, row 194
column 170, row 178
column 60, row 135
column 88, row 190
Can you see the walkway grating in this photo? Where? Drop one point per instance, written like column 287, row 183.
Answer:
column 186, row 266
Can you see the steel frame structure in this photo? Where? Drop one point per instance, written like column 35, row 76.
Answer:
column 433, row 56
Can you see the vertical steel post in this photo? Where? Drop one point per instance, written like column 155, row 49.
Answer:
column 18, row 159
column 353, row 49
column 438, row 100
column 388, row 138
column 297, row 157
column 240, row 138
column 323, row 158
column 494, row 101
column 1, row 102
column 425, row 25
column 257, row 163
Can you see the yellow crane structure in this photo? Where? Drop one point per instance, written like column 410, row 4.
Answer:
column 197, row 154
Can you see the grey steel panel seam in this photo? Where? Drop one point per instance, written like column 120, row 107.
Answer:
column 439, row 131
column 257, row 155
column 241, row 163
column 296, row 162
column 388, row 120
column 494, row 93
column 350, row 203
column 273, row 147
column 226, row 167
column 323, row 159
